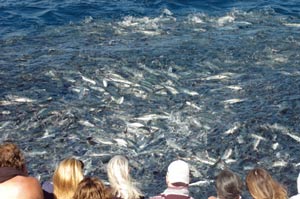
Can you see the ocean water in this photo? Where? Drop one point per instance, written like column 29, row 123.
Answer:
column 214, row 83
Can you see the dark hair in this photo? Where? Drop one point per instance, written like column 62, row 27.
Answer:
column 228, row 185
column 11, row 156
column 91, row 188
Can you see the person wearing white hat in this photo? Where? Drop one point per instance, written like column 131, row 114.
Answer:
column 177, row 179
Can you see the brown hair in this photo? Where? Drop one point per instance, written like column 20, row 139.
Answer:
column 11, row 156
column 261, row 185
column 228, row 185
column 90, row 188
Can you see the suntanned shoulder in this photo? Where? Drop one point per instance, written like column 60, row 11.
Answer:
column 21, row 187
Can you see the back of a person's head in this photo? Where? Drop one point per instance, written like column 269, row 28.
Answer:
column 11, row 156
column 120, row 179
column 261, row 185
column 228, row 185
column 118, row 170
column 90, row 188
column 66, row 178
column 178, row 173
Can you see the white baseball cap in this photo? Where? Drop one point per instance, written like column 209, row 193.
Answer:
column 178, row 171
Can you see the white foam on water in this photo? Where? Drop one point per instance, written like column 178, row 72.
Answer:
column 145, row 25
column 225, row 20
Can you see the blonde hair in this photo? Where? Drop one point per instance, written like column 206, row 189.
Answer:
column 121, row 183
column 66, row 177
column 261, row 185
column 90, row 188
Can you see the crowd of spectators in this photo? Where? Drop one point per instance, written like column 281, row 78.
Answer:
column 69, row 182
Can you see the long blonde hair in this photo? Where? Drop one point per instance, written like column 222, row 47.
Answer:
column 66, row 177
column 261, row 185
column 122, row 185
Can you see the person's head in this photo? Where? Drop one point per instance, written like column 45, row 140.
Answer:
column 228, row 185
column 90, row 188
column 120, row 180
column 66, row 177
column 261, row 185
column 178, row 174
column 11, row 156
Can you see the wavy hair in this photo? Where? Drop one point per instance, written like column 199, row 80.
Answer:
column 228, row 185
column 90, row 188
column 66, row 178
column 11, row 156
column 121, row 183
column 261, row 185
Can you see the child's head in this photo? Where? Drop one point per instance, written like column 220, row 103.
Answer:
column 228, row 185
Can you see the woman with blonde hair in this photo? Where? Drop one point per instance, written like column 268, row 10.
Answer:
column 261, row 185
column 66, row 178
column 121, row 183
column 90, row 188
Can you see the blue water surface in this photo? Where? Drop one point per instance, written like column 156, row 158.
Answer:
column 24, row 17
column 215, row 83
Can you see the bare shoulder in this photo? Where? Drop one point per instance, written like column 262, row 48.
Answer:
column 22, row 188
column 212, row 197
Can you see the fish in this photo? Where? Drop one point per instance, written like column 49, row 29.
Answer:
column 86, row 123
column 201, row 183
column 148, row 117
column 15, row 98
column 233, row 129
column 121, row 142
column 233, row 101
column 227, row 154
column 193, row 105
column 280, row 163
column 257, row 140
column 86, row 79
